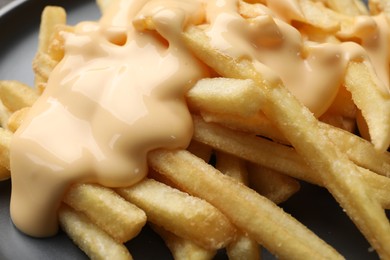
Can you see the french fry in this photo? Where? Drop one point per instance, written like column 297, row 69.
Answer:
column 278, row 157
column 367, row 92
column 235, row 97
column 183, row 249
column 90, row 238
column 301, row 128
column 174, row 211
column 243, row 247
column 103, row 4
column 117, row 217
column 16, row 118
column 5, row 141
column 256, row 215
column 274, row 185
column 232, row 166
column 16, row 95
column 50, row 18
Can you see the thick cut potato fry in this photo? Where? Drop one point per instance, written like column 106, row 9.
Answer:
column 116, row 216
column 259, row 217
column 183, row 249
column 90, row 238
column 301, row 129
column 174, row 211
column 16, row 95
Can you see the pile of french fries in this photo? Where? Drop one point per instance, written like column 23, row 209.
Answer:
column 252, row 144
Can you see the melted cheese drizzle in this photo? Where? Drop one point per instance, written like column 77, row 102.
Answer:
column 120, row 92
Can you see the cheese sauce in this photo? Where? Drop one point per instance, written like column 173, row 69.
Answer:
column 119, row 92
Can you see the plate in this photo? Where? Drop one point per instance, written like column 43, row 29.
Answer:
column 19, row 23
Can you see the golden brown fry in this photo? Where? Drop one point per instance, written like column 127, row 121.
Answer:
column 277, row 157
column 90, row 238
column 16, row 95
column 373, row 99
column 243, row 247
column 274, row 185
column 258, row 216
column 50, row 18
column 232, row 96
column 299, row 126
column 116, row 216
column 183, row 249
column 232, row 166
column 174, row 211
column 43, row 64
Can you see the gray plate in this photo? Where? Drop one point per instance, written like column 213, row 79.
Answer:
column 19, row 25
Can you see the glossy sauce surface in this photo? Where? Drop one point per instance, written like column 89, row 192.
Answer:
column 119, row 91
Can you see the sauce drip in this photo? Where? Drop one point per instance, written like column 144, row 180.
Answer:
column 119, row 91
column 117, row 94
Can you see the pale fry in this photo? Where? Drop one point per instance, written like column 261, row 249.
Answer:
column 16, row 95
column 232, row 166
column 16, row 118
column 119, row 218
column 274, row 185
column 379, row 6
column 4, row 173
column 201, row 150
column 259, row 217
column 174, row 211
column 243, row 247
column 300, row 127
column 90, row 238
column 50, row 18
column 277, row 157
column 235, row 97
column 43, row 64
column 367, row 92
column 183, row 249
